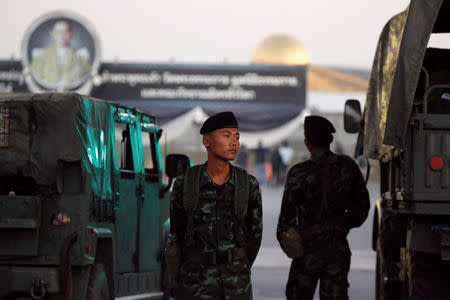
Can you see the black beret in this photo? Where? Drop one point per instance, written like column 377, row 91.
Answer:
column 318, row 130
column 224, row 119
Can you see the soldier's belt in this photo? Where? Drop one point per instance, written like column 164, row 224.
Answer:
column 215, row 258
column 336, row 229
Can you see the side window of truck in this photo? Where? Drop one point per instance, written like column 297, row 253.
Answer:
column 149, row 146
column 433, row 87
column 123, row 147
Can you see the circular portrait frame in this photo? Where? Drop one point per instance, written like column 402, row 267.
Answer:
column 60, row 52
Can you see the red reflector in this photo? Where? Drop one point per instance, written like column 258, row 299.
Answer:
column 89, row 246
column 60, row 219
column 436, row 163
column 91, row 231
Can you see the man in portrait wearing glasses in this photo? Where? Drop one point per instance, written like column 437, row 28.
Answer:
column 59, row 65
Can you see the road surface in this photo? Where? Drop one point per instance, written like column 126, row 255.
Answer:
column 271, row 268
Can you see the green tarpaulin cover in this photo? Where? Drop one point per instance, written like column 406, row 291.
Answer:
column 395, row 73
column 38, row 130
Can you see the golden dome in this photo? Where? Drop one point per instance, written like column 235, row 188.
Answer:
column 281, row 49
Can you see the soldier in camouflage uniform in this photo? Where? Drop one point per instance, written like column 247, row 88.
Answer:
column 216, row 261
column 323, row 220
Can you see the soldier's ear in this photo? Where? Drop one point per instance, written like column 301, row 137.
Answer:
column 205, row 140
column 308, row 145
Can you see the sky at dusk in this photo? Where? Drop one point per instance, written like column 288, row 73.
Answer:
column 336, row 33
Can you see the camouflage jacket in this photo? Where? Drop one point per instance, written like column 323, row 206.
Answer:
column 347, row 200
column 214, row 229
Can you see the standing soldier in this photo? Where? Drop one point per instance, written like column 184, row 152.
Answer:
column 216, row 218
column 324, row 198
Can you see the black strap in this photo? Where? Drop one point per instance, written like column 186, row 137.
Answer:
column 241, row 191
column 191, row 193
column 241, row 196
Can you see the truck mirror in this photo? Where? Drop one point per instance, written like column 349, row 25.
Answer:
column 352, row 116
column 177, row 164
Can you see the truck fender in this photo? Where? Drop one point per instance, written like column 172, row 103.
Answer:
column 104, row 255
column 377, row 217
column 103, row 247
column 66, row 267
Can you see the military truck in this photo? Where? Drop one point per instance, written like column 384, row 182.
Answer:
column 83, row 206
column 406, row 127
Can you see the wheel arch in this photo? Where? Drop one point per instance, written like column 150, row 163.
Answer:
column 377, row 217
column 104, row 254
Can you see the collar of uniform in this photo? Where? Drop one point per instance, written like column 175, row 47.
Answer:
column 324, row 155
column 320, row 155
column 205, row 179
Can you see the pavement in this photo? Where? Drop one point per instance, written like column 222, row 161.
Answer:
column 271, row 268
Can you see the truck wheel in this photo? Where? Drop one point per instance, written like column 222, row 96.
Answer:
column 98, row 284
column 405, row 289
column 166, row 284
column 384, row 291
column 378, row 283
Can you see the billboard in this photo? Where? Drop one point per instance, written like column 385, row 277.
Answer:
column 247, row 83
column 12, row 78
column 61, row 52
column 262, row 96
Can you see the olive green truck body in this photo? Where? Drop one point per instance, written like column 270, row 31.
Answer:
column 406, row 127
column 81, row 199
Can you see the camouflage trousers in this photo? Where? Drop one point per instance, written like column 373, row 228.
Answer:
column 330, row 264
column 226, row 282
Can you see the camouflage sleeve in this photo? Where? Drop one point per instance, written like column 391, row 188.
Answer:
column 177, row 212
column 254, row 221
column 360, row 200
column 288, row 212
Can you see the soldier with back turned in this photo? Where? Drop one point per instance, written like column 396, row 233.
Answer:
column 324, row 198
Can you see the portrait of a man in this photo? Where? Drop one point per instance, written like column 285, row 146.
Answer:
column 59, row 65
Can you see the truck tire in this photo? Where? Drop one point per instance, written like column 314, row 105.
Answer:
column 166, row 284
column 384, row 291
column 380, row 292
column 98, row 284
column 378, row 283
column 428, row 276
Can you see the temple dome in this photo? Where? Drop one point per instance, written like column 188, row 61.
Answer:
column 281, row 49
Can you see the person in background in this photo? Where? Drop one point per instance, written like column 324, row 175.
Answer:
column 286, row 153
column 242, row 157
column 276, row 162
column 338, row 149
column 260, row 160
